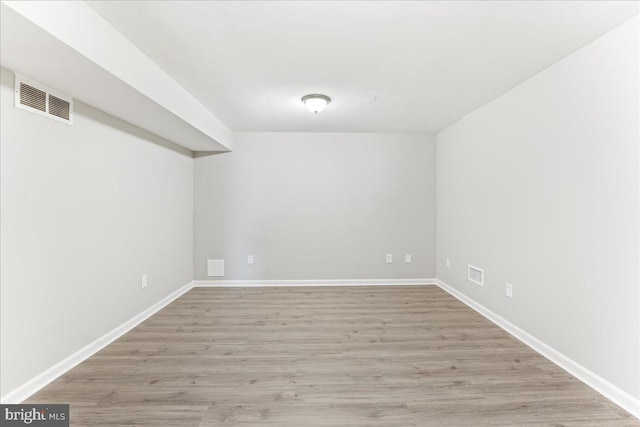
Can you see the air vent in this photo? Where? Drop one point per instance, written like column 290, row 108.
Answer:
column 476, row 275
column 39, row 99
column 32, row 97
column 59, row 107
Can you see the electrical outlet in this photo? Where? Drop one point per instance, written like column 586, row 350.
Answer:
column 509, row 290
column 143, row 282
column 389, row 258
column 447, row 262
column 250, row 259
column 407, row 258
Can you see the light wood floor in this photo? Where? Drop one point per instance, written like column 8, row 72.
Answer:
column 339, row 356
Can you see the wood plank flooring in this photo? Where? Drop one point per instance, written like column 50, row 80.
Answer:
column 334, row 356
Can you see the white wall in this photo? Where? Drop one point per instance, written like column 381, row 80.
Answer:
column 85, row 211
column 540, row 188
column 317, row 206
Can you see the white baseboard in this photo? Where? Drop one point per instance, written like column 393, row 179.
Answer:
column 32, row 386
column 596, row 382
column 298, row 283
column 599, row 384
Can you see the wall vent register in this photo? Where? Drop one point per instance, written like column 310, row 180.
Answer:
column 476, row 275
column 37, row 98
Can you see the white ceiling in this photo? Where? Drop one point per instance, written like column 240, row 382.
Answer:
column 388, row 66
column 72, row 49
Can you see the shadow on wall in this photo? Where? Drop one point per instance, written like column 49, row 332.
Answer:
column 97, row 116
column 198, row 154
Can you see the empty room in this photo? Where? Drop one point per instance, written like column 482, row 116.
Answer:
column 320, row 213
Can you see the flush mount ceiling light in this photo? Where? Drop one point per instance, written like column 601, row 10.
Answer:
column 315, row 102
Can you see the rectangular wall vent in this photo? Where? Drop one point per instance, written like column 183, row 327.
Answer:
column 32, row 97
column 476, row 275
column 59, row 107
column 37, row 98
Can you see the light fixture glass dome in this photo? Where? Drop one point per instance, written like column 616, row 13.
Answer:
column 315, row 102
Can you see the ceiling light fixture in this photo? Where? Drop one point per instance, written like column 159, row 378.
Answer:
column 315, row 102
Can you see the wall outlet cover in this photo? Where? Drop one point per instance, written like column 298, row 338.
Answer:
column 215, row 267
column 407, row 258
column 389, row 258
column 250, row 259
column 144, row 282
